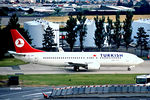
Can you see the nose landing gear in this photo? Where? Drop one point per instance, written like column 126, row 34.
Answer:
column 129, row 68
column 76, row 68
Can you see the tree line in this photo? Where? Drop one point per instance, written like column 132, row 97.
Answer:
column 116, row 34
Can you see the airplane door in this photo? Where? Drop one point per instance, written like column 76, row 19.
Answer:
column 28, row 58
column 36, row 60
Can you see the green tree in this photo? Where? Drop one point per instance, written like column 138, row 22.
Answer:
column 119, row 3
column 99, row 32
column 48, row 41
column 0, row 23
column 81, row 29
column 127, row 26
column 71, row 31
column 144, row 3
column 141, row 39
column 117, row 36
column 130, row 4
column 109, row 28
column 6, row 35
column 1, row 42
column 13, row 22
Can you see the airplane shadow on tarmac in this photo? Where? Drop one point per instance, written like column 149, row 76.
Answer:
column 101, row 70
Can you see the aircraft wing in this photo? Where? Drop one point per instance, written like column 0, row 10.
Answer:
column 77, row 64
column 94, row 65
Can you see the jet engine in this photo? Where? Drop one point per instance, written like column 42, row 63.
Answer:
column 93, row 66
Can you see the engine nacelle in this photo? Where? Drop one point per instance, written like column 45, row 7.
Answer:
column 93, row 66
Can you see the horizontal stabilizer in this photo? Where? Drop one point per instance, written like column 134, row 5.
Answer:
column 16, row 54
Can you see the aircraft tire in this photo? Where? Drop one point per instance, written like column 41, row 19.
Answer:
column 76, row 68
column 129, row 69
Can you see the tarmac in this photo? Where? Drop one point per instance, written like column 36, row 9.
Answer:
column 5, row 20
column 143, row 68
column 36, row 93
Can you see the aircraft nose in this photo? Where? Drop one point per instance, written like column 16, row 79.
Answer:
column 140, row 61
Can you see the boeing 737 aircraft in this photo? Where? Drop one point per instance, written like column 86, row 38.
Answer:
column 87, row 60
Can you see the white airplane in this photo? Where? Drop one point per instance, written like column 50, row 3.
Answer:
column 87, row 60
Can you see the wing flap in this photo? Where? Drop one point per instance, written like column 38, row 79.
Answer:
column 77, row 64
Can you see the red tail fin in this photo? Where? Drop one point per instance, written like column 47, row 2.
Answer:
column 21, row 45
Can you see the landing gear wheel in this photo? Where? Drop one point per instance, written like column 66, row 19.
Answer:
column 76, row 69
column 129, row 69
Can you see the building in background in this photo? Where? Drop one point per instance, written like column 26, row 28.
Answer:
column 36, row 30
column 89, row 39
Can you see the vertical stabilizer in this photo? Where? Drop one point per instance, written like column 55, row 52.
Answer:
column 21, row 45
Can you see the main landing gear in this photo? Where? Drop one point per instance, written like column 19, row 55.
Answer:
column 76, row 68
column 129, row 69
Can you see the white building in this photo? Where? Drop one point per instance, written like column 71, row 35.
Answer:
column 36, row 30
column 89, row 39
column 145, row 23
column 67, row 9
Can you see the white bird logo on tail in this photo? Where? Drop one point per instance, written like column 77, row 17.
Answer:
column 19, row 42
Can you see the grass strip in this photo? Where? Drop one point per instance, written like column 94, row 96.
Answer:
column 10, row 62
column 74, row 79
